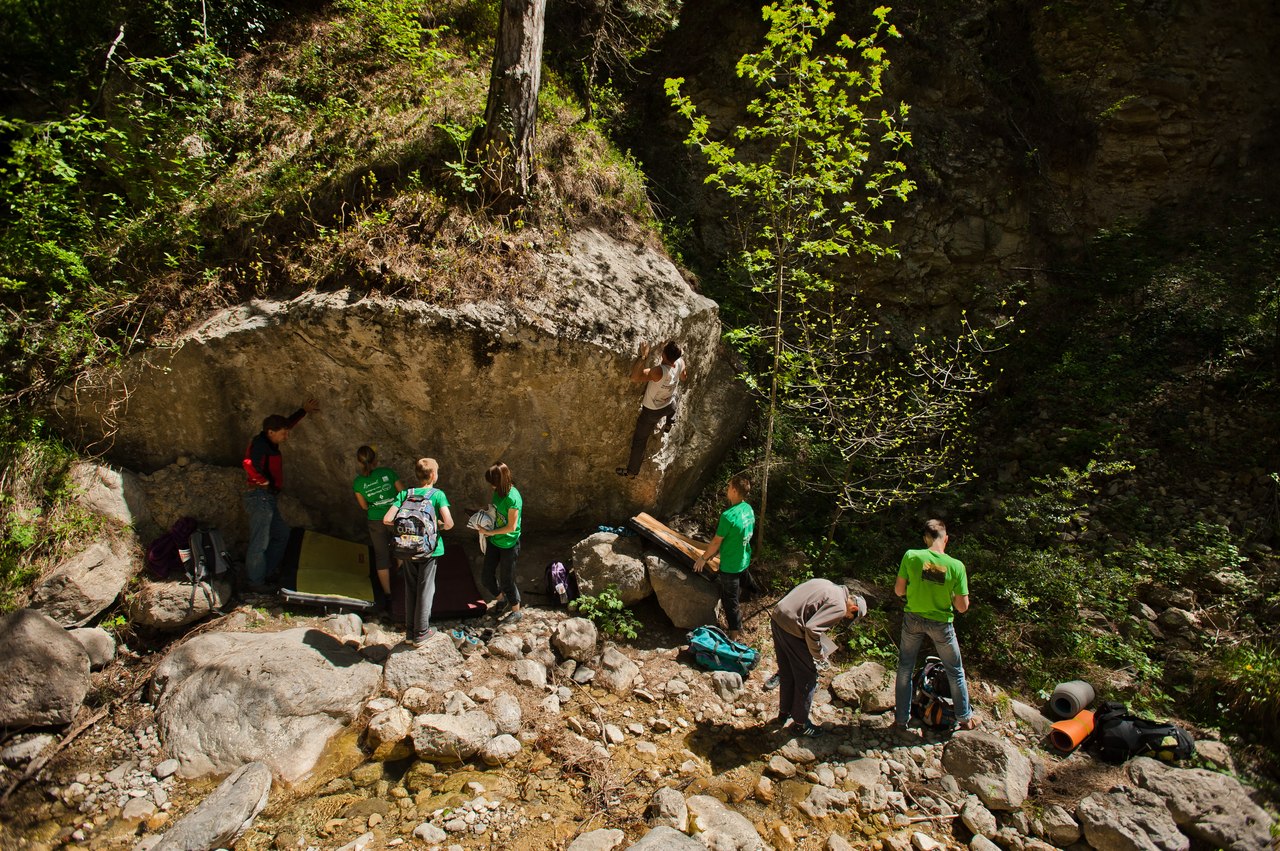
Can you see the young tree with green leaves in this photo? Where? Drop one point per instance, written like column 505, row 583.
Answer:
column 807, row 174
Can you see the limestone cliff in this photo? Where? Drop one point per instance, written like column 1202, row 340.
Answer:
column 540, row 384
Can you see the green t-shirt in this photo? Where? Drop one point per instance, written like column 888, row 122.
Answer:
column 932, row 580
column 502, row 505
column 438, row 501
column 735, row 528
column 378, row 489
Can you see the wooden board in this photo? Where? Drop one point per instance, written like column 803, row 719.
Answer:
column 684, row 549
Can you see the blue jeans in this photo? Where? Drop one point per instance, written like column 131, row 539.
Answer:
column 943, row 635
column 268, row 537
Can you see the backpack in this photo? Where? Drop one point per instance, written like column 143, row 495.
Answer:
column 416, row 534
column 162, row 555
column 209, row 557
column 561, row 583
column 715, row 651
column 1119, row 735
column 932, row 703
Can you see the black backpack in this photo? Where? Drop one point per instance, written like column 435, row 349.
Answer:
column 932, row 703
column 209, row 557
column 1119, row 735
column 416, row 532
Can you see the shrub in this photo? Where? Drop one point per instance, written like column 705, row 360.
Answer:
column 607, row 611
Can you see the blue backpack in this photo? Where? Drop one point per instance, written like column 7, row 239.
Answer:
column 715, row 651
column 416, row 534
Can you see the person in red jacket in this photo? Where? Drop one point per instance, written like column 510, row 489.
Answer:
column 264, row 468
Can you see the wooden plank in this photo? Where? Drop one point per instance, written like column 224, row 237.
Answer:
column 685, row 549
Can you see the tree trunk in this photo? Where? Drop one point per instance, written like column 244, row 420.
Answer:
column 511, row 114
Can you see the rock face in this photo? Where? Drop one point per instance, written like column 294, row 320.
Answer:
column 45, row 674
column 224, row 699
column 85, row 584
column 1129, row 820
column 605, row 559
column 565, row 411
column 435, row 665
column 113, row 493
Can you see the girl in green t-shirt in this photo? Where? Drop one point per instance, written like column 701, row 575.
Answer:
column 504, row 543
column 376, row 488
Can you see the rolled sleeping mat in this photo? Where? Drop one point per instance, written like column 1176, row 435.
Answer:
column 1069, row 698
column 1067, row 735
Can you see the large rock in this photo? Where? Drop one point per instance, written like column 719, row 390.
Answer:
column 575, row 639
column 617, row 671
column 220, row 818
column 451, row 738
column 721, row 828
column 1129, row 820
column 168, row 606
column 690, row 600
column 387, row 734
column 98, row 645
column 45, row 674
column 989, row 767
column 224, row 699
column 433, row 666
column 1210, row 807
column 113, row 493
column 868, row 686
column 561, row 354
column 606, row 559
column 85, row 584
column 664, row 838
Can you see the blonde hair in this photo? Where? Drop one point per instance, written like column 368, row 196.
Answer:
column 427, row 469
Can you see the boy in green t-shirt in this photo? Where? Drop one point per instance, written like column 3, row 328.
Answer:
column 420, row 576
column 733, row 543
column 935, row 586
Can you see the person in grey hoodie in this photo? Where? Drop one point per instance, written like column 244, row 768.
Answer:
column 800, row 622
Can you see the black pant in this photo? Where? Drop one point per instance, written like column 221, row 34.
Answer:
column 797, row 675
column 730, row 589
column 644, row 428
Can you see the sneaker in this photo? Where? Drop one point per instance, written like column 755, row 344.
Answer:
column 497, row 607
column 513, row 617
column 809, row 730
column 623, row 471
column 970, row 723
column 772, row 683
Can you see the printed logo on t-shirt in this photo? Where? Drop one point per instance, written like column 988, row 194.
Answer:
column 935, row 573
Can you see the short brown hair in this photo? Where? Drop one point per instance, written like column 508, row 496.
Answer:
column 426, row 468
column 500, row 477
column 934, row 529
column 741, row 484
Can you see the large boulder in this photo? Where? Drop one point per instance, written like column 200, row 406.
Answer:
column 167, row 606
column 989, row 767
column 434, row 666
column 116, row 494
column 45, row 674
column 224, row 699
column 451, row 738
column 720, row 827
column 575, row 639
column 689, row 599
column 617, row 671
column 220, row 818
column 868, row 687
column 606, row 559
column 1129, row 820
column 554, row 401
column 85, row 584
column 98, row 645
column 1210, row 807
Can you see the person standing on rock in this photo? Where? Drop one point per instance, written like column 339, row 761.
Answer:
column 504, row 544
column 420, row 575
column 264, row 467
column 800, row 622
column 733, row 543
column 935, row 587
column 376, row 489
column 661, row 397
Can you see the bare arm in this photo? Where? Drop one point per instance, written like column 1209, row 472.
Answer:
column 364, row 503
column 900, row 586
column 961, row 603
column 446, row 519
column 708, row 554
column 389, row 518
column 512, row 516
column 640, row 373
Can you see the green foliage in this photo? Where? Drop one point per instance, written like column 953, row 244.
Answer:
column 1245, row 681
column 872, row 638
column 607, row 611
